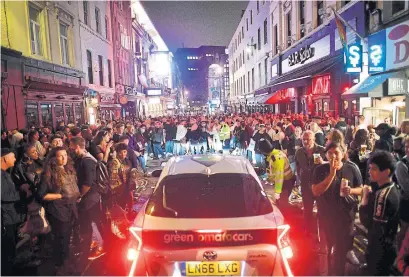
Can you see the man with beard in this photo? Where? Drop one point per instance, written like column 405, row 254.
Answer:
column 307, row 159
column 334, row 203
column 88, row 208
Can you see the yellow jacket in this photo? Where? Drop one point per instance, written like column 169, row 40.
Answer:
column 278, row 169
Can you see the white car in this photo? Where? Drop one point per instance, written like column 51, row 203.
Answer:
column 209, row 216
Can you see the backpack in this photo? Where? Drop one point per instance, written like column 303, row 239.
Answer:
column 404, row 198
column 102, row 177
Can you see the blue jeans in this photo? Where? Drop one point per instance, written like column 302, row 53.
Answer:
column 142, row 160
column 157, row 149
column 194, row 147
column 178, row 149
column 96, row 235
column 169, row 146
column 149, row 148
column 204, row 145
column 260, row 160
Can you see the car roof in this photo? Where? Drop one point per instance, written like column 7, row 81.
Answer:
column 207, row 164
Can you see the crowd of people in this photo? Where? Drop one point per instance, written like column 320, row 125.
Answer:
column 76, row 177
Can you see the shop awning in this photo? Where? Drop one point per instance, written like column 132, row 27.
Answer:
column 261, row 99
column 369, row 84
column 302, row 77
column 275, row 98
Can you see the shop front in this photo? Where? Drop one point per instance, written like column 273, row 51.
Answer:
column 91, row 106
column 108, row 109
column 383, row 94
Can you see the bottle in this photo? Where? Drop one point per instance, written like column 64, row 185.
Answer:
column 344, row 183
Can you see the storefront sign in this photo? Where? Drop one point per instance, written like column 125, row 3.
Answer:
column 324, row 50
column 301, row 55
column 288, row 93
column 389, row 49
column 321, row 84
column 153, row 92
column 107, row 99
column 377, row 52
column 397, row 86
column 353, row 61
column 130, row 90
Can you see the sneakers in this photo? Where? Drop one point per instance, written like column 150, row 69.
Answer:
column 94, row 245
column 115, row 230
column 98, row 253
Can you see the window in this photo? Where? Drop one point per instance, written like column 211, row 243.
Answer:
column 120, row 5
column 259, row 38
column 31, row 109
column 106, row 28
column 320, row 9
column 85, row 6
column 275, row 34
column 243, row 58
column 242, row 32
column 247, row 24
column 248, row 81
column 101, row 70
column 265, row 71
column 244, row 83
column 398, row 6
column 252, row 46
column 258, row 6
column 265, row 31
column 289, row 35
column 259, row 75
column 35, row 31
column 252, row 78
column 89, row 67
column 251, row 17
column 64, row 44
column 98, row 20
column 302, row 18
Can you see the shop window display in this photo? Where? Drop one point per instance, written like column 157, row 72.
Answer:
column 31, row 109
column 46, row 115
column 59, row 113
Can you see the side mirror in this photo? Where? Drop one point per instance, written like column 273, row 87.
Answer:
column 156, row 173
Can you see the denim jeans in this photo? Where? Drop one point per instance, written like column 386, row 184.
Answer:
column 96, row 235
column 178, row 149
column 169, row 147
column 204, row 145
column 193, row 147
column 149, row 148
column 142, row 160
column 157, row 148
column 260, row 161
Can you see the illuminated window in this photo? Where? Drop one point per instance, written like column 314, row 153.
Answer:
column 64, row 44
column 35, row 31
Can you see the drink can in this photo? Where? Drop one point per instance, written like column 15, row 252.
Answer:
column 344, row 183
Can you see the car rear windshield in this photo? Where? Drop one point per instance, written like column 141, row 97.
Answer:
column 202, row 196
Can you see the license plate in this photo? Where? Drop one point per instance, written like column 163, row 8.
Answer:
column 222, row 268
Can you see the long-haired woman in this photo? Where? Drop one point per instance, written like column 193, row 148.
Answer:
column 101, row 146
column 60, row 190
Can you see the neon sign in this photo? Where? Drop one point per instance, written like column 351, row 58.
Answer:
column 321, row 85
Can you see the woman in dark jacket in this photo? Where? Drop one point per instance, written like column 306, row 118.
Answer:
column 59, row 190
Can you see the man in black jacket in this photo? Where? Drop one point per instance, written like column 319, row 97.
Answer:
column 379, row 213
column 261, row 134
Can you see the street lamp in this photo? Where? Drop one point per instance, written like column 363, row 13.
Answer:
column 249, row 47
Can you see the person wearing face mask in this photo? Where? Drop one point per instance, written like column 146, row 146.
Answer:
column 333, row 184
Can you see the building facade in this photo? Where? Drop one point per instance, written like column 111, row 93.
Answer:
column 97, row 60
column 249, row 54
column 382, row 91
column 45, row 85
column 204, row 73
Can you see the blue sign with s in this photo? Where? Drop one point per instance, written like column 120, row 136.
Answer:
column 353, row 61
column 377, row 52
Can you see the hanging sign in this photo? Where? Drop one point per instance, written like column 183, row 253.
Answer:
column 353, row 61
column 377, row 52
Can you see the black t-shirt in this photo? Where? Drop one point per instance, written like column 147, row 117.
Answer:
column 330, row 204
column 86, row 168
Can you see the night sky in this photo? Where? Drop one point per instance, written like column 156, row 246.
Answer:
column 195, row 23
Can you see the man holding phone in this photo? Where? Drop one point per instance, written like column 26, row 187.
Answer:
column 332, row 204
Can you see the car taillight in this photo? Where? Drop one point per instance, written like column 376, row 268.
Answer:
column 134, row 248
column 285, row 247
